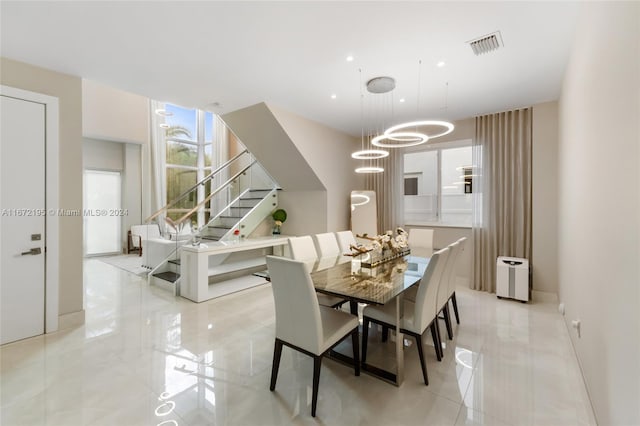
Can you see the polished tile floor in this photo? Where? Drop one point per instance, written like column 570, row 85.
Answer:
column 146, row 358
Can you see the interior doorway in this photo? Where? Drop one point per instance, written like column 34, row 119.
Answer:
column 102, row 212
column 29, row 221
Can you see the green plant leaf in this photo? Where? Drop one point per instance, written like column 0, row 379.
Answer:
column 280, row 215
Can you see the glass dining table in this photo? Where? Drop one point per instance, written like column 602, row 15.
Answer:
column 349, row 279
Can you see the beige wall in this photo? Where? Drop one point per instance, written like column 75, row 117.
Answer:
column 113, row 114
column 102, row 155
column 544, row 258
column 311, row 162
column 599, row 206
column 125, row 158
column 328, row 153
column 68, row 90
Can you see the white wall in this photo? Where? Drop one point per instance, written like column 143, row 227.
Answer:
column 306, row 158
column 68, row 89
column 113, row 114
column 124, row 158
column 599, row 206
column 328, row 153
column 544, row 241
column 102, row 155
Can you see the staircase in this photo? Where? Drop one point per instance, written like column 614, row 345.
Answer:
column 244, row 208
column 222, row 227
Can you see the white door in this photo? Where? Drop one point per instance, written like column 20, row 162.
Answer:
column 102, row 208
column 22, row 219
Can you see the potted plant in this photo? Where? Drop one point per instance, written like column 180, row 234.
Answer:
column 279, row 217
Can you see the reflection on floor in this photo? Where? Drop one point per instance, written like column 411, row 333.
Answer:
column 146, row 358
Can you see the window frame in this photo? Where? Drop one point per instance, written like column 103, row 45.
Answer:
column 200, row 168
column 438, row 148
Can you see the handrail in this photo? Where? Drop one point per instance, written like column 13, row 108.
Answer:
column 213, row 193
column 202, row 182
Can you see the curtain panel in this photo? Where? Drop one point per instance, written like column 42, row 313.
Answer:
column 158, row 164
column 502, row 192
column 389, row 189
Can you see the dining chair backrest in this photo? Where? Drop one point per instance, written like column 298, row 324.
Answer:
column 297, row 311
column 345, row 240
column 302, row 248
column 449, row 270
column 425, row 303
column 326, row 245
column 453, row 278
column 421, row 241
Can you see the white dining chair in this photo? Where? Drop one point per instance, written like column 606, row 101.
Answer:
column 345, row 241
column 304, row 325
column 443, row 289
column 421, row 242
column 416, row 316
column 303, row 249
column 454, row 278
column 326, row 244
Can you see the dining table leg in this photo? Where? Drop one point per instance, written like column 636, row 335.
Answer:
column 399, row 343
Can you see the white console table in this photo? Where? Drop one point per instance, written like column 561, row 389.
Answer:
column 199, row 263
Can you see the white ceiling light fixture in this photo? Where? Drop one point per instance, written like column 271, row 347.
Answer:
column 398, row 132
column 400, row 139
column 370, row 154
column 448, row 127
column 369, row 169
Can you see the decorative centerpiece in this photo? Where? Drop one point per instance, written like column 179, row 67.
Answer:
column 279, row 217
column 383, row 248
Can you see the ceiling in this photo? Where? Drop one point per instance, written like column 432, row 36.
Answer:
column 293, row 54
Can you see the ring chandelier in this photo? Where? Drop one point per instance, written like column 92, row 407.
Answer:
column 392, row 132
column 370, row 169
column 405, row 138
column 369, row 154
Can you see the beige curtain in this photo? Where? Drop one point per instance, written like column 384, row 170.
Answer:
column 389, row 189
column 502, row 192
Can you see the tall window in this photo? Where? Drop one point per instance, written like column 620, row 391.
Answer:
column 189, row 136
column 438, row 184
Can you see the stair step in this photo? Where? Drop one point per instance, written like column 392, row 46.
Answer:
column 172, row 277
column 210, row 238
column 175, row 261
column 230, row 217
column 251, row 198
column 219, row 227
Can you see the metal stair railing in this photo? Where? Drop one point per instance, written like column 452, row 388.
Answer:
column 202, row 182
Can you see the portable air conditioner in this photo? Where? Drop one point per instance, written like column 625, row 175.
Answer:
column 512, row 278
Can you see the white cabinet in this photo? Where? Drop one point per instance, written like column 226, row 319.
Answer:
column 200, row 265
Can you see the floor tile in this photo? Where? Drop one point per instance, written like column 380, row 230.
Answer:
column 145, row 357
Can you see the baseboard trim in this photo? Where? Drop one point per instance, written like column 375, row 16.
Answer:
column 544, row 296
column 71, row 320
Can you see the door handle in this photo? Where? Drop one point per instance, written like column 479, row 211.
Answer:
column 32, row 252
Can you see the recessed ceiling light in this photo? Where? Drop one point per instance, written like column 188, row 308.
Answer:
column 441, row 64
column 333, row 96
column 401, row 100
column 350, row 58
column 164, row 125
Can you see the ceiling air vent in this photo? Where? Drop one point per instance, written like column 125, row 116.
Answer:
column 486, row 43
